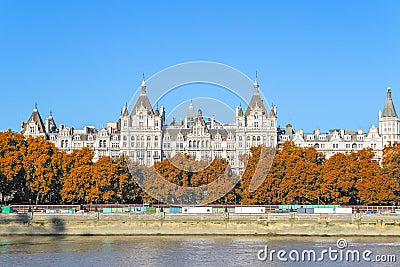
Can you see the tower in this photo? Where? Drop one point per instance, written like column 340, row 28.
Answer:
column 389, row 121
column 34, row 126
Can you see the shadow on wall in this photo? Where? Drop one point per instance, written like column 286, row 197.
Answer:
column 14, row 218
column 57, row 225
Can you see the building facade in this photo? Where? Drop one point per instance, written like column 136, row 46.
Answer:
column 143, row 135
column 345, row 141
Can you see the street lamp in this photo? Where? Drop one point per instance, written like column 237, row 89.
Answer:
column 395, row 193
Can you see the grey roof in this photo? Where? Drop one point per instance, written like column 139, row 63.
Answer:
column 389, row 110
column 35, row 116
column 256, row 101
column 240, row 111
column 124, row 111
column 173, row 132
column 52, row 124
column 143, row 101
column 223, row 132
column 190, row 113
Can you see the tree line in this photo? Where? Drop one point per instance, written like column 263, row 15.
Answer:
column 34, row 170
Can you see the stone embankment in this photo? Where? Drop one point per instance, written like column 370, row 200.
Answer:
column 200, row 224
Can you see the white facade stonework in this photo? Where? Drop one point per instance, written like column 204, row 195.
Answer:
column 345, row 141
column 144, row 136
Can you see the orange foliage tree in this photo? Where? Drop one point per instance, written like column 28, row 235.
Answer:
column 390, row 177
column 12, row 151
column 43, row 167
column 292, row 177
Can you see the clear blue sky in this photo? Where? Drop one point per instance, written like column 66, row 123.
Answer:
column 325, row 64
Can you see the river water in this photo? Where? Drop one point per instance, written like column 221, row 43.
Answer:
column 192, row 251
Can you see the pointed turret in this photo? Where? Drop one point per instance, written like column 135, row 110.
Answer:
column 143, row 85
column 256, row 100
column 388, row 120
column 124, row 111
column 240, row 113
column 50, row 125
column 255, row 85
column 34, row 126
column 143, row 100
column 389, row 110
column 157, row 112
column 190, row 112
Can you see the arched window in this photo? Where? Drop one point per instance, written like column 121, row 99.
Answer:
column 316, row 146
column 190, row 143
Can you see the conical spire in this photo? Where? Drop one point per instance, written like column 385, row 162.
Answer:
column 124, row 111
column 143, row 85
column 36, row 119
column 256, row 100
column 143, row 100
column 256, row 86
column 389, row 110
column 191, row 113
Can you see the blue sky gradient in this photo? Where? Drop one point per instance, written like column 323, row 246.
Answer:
column 325, row 64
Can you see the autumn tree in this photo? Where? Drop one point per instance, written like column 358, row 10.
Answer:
column 77, row 175
column 290, row 178
column 391, row 172
column 128, row 188
column 12, row 175
column 43, row 167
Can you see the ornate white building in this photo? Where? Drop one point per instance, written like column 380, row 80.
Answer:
column 345, row 141
column 144, row 136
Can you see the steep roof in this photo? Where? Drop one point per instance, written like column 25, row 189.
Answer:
column 143, row 101
column 256, row 101
column 52, row 124
column 190, row 112
column 389, row 110
column 35, row 117
column 124, row 111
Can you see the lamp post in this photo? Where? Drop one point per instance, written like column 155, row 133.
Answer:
column 395, row 192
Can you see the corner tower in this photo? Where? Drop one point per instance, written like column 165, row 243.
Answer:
column 389, row 121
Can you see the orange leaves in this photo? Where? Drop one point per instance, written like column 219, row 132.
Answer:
column 291, row 178
column 42, row 164
column 35, row 168
column 12, row 150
